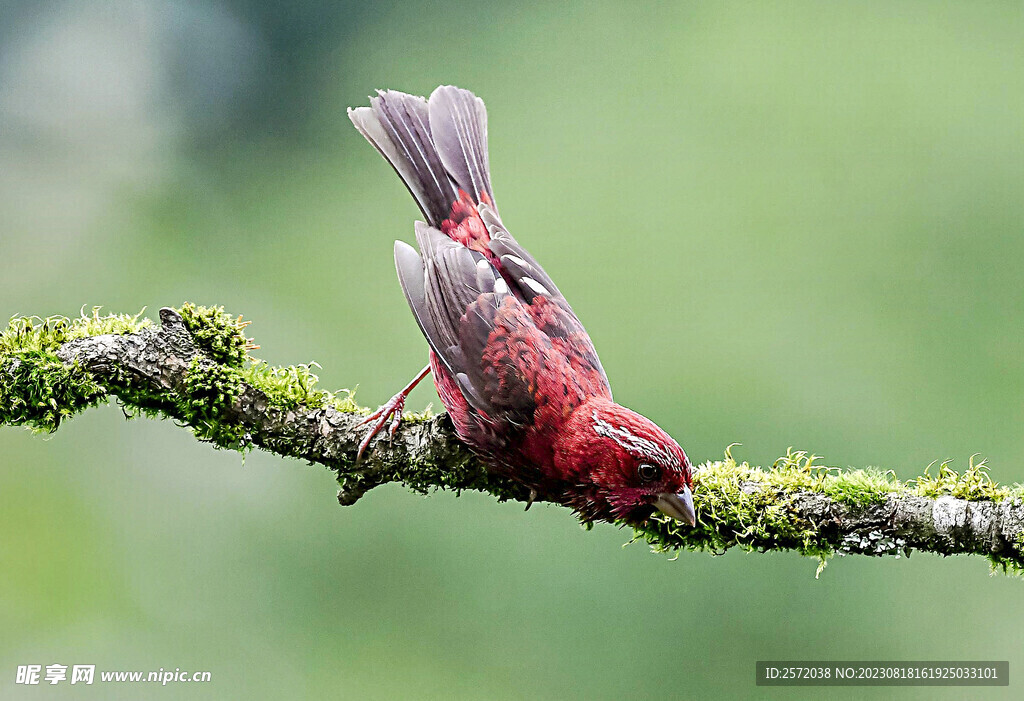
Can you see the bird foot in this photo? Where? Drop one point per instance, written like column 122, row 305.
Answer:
column 390, row 410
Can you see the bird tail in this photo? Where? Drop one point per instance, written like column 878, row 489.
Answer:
column 438, row 146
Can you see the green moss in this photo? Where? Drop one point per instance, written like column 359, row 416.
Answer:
column 1009, row 565
column 860, row 487
column 33, row 333
column 1004, row 565
column 294, row 385
column 218, row 333
column 972, row 484
column 732, row 513
column 797, row 471
column 740, row 505
column 40, row 391
column 221, row 336
column 37, row 389
column 755, row 517
column 428, row 472
column 205, row 400
column 418, row 417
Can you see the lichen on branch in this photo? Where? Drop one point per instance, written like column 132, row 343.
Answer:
column 195, row 367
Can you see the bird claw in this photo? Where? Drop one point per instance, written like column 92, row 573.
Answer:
column 529, row 502
column 391, row 409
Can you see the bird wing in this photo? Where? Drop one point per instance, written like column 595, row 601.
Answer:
column 550, row 309
column 466, row 312
column 516, row 363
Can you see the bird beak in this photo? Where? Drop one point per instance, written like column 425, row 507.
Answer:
column 678, row 506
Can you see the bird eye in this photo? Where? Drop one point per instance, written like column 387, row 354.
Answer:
column 647, row 472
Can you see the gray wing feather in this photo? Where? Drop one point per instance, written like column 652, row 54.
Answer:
column 525, row 272
column 412, row 277
column 453, row 293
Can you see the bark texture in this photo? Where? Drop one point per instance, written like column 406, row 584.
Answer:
column 422, row 454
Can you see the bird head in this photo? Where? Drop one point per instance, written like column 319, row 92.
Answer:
column 622, row 466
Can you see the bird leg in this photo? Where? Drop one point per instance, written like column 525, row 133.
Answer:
column 391, row 409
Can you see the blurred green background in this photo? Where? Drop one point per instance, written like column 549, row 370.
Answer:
column 784, row 224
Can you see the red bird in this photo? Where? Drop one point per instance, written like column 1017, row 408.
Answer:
column 512, row 364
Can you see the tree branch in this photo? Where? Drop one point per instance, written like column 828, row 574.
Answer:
column 193, row 368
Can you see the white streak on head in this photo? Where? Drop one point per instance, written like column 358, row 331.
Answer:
column 638, row 447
